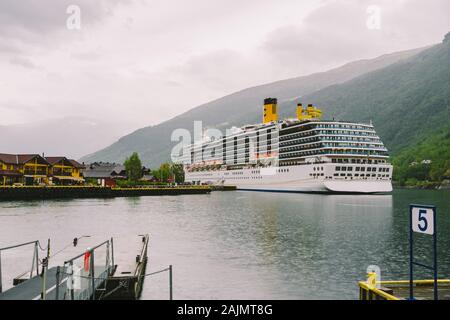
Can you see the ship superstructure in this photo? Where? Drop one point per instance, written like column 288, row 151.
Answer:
column 305, row 154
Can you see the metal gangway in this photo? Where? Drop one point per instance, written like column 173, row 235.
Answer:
column 82, row 277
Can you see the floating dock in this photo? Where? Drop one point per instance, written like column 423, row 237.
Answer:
column 128, row 278
column 399, row 290
column 9, row 193
column 98, row 273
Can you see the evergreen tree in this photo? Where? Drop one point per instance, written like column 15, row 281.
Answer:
column 133, row 165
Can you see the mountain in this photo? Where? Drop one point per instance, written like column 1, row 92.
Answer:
column 70, row 136
column 406, row 101
column 409, row 104
column 243, row 107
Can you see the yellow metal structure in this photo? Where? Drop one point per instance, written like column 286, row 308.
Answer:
column 309, row 112
column 372, row 289
column 270, row 110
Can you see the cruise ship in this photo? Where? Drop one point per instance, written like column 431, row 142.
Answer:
column 303, row 154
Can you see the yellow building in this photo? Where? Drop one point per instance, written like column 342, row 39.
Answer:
column 9, row 170
column 26, row 169
column 33, row 169
column 65, row 171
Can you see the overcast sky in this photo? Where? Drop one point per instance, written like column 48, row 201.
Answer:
column 145, row 61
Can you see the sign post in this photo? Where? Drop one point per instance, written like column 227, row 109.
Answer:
column 422, row 219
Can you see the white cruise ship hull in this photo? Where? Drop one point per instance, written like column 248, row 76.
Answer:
column 323, row 178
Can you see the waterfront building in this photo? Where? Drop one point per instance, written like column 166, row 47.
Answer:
column 9, row 170
column 105, row 173
column 34, row 169
column 26, row 169
column 65, row 171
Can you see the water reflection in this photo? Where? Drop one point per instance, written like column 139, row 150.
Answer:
column 245, row 245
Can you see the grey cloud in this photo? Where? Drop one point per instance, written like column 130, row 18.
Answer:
column 182, row 54
column 28, row 17
column 218, row 70
column 8, row 47
column 88, row 56
column 23, row 62
column 337, row 33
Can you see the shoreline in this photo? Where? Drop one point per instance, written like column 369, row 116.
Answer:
column 10, row 193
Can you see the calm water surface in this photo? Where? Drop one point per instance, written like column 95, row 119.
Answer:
column 244, row 245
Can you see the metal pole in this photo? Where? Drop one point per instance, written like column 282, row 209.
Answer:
column 48, row 249
column 170, row 282
column 72, row 292
column 107, row 256
column 37, row 257
column 0, row 271
column 57, row 283
column 44, row 279
column 44, row 271
column 435, row 256
column 411, row 275
column 32, row 262
column 112, row 253
column 92, row 275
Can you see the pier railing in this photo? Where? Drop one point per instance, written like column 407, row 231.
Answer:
column 83, row 282
column 34, row 263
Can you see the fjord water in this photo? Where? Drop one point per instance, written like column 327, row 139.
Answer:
column 243, row 245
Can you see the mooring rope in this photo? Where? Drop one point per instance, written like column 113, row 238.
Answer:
column 156, row 272
column 40, row 261
column 95, row 278
column 40, row 247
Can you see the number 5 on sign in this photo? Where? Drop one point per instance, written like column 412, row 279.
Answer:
column 423, row 220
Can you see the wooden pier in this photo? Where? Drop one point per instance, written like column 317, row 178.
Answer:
column 98, row 273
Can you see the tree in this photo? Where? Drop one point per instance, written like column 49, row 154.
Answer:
column 178, row 172
column 169, row 171
column 133, row 165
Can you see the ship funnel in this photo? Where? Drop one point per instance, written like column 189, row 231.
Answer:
column 270, row 110
column 310, row 112
column 299, row 111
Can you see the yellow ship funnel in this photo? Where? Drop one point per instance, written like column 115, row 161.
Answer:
column 310, row 112
column 299, row 111
column 270, row 110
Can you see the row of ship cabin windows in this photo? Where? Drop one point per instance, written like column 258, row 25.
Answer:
column 369, row 161
column 343, row 126
column 293, row 135
column 335, row 144
column 241, row 178
column 362, row 175
column 369, row 169
column 334, row 152
column 349, row 175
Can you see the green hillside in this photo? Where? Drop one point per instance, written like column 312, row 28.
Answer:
column 412, row 163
